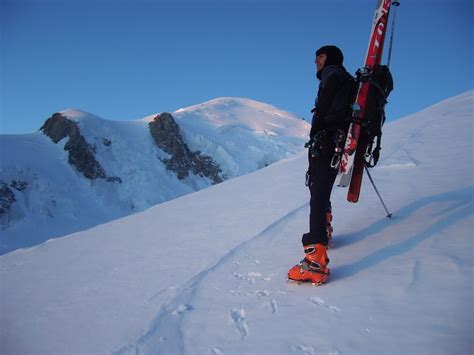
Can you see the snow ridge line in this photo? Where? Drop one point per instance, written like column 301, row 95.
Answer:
column 165, row 335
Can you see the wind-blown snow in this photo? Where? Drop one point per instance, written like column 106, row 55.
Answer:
column 206, row 273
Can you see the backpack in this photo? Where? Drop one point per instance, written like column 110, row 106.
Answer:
column 381, row 84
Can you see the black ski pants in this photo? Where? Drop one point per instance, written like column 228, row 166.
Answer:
column 321, row 182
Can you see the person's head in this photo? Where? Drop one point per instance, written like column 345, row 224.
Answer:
column 328, row 55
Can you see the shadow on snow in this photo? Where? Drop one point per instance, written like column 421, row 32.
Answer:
column 460, row 208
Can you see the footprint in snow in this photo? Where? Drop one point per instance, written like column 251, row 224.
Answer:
column 273, row 305
column 252, row 276
column 258, row 293
column 238, row 318
column 182, row 308
column 304, row 348
column 320, row 302
column 217, row 351
column 309, row 350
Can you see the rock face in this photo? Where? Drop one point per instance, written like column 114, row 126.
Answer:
column 81, row 154
column 182, row 161
column 7, row 198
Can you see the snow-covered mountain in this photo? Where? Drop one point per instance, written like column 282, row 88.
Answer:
column 206, row 273
column 80, row 170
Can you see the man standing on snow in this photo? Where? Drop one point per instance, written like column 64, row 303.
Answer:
column 329, row 125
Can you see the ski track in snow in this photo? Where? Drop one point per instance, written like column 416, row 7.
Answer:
column 165, row 335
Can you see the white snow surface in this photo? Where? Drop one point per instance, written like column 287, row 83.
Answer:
column 206, row 273
column 241, row 135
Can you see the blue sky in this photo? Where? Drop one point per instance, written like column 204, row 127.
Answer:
column 124, row 60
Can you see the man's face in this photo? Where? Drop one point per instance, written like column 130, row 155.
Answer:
column 320, row 61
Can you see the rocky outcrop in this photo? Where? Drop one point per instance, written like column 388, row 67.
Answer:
column 167, row 136
column 81, row 154
column 11, row 195
column 7, row 198
column 19, row 185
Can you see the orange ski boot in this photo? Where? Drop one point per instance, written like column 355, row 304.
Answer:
column 313, row 268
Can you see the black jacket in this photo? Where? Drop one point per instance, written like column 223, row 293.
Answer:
column 332, row 105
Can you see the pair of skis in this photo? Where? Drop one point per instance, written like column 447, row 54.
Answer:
column 352, row 163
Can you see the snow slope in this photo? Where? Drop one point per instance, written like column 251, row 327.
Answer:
column 206, row 273
column 59, row 200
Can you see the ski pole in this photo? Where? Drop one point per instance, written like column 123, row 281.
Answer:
column 395, row 4
column 389, row 215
